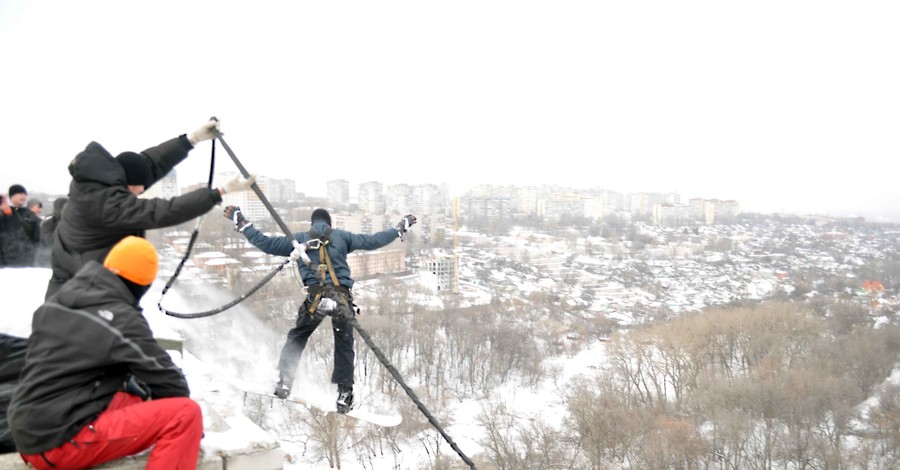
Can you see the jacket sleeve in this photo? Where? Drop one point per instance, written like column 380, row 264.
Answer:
column 278, row 246
column 133, row 213
column 147, row 360
column 166, row 155
column 374, row 241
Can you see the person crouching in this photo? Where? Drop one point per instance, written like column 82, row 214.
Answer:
column 96, row 386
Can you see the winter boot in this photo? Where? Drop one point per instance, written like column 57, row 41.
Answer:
column 283, row 388
column 345, row 398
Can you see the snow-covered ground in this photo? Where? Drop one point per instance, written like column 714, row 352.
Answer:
column 245, row 354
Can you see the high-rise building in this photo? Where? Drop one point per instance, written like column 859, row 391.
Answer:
column 338, row 192
column 429, row 199
column 371, row 197
column 642, row 203
column 438, row 271
column 250, row 205
column 165, row 188
column 399, row 199
column 279, row 190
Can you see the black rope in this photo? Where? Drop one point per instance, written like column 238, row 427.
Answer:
column 196, row 233
column 396, row 374
column 365, row 335
column 234, row 302
column 255, row 187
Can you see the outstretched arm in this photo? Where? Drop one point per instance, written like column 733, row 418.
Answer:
column 278, row 246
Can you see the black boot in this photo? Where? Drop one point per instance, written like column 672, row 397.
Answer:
column 283, row 388
column 345, row 398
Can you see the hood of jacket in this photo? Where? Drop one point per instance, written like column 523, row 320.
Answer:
column 96, row 164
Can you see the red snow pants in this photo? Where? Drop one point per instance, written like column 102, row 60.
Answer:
column 173, row 426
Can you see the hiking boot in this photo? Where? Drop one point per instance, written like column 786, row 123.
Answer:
column 345, row 398
column 283, row 389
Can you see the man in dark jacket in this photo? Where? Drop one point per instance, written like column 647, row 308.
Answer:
column 328, row 296
column 20, row 229
column 48, row 233
column 110, row 390
column 104, row 206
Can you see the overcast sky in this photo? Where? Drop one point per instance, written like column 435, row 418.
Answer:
column 782, row 105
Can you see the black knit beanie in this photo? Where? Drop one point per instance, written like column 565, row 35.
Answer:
column 17, row 189
column 321, row 214
column 137, row 168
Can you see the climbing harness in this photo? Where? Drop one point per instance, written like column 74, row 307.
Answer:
column 329, row 298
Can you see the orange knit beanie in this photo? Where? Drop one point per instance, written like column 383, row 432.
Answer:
column 134, row 259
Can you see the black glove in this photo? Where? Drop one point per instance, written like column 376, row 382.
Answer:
column 405, row 223
column 136, row 387
column 234, row 214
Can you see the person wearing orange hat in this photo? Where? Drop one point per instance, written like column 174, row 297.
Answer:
column 110, row 390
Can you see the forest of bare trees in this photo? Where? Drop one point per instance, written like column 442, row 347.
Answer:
column 775, row 385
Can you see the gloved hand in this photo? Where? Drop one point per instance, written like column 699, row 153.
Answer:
column 234, row 214
column 238, row 184
column 137, row 387
column 299, row 253
column 205, row 132
column 405, row 223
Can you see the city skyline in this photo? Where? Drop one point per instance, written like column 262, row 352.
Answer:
column 786, row 107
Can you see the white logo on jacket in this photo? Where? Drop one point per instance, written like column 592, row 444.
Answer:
column 105, row 314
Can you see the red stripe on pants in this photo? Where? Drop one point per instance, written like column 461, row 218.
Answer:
column 173, row 426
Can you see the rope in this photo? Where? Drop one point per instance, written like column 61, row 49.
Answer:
column 230, row 304
column 362, row 332
column 196, row 233
column 396, row 374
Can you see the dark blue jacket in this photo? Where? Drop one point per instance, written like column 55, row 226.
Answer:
column 342, row 243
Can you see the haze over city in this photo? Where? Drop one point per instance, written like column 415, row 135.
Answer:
column 785, row 107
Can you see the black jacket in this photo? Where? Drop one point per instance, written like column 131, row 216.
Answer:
column 20, row 233
column 12, row 359
column 83, row 344
column 101, row 211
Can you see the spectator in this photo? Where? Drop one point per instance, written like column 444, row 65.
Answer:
column 20, row 230
column 104, row 207
column 36, row 206
column 110, row 390
column 48, row 230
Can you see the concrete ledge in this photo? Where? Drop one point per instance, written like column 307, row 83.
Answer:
column 219, row 449
column 272, row 459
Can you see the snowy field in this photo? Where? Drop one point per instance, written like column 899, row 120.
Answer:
column 245, row 356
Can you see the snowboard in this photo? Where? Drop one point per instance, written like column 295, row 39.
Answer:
column 357, row 411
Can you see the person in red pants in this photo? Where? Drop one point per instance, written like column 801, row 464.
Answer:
column 95, row 385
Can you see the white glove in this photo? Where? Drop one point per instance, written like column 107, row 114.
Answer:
column 299, row 252
column 326, row 305
column 237, row 184
column 205, row 132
